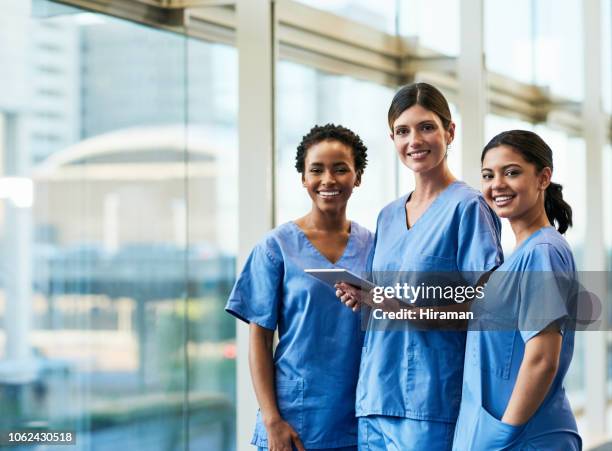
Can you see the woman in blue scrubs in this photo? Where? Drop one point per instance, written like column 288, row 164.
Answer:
column 409, row 386
column 306, row 390
column 513, row 395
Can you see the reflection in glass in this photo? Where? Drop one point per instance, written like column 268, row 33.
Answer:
column 116, row 272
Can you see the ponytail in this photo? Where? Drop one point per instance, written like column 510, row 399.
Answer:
column 557, row 210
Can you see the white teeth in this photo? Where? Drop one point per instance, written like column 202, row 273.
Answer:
column 503, row 198
column 329, row 193
column 418, row 153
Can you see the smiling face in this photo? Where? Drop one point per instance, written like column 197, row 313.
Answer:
column 511, row 185
column 420, row 139
column 329, row 175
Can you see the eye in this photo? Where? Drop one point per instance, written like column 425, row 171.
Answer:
column 315, row 171
column 342, row 170
column 401, row 131
column 512, row 172
column 487, row 176
column 428, row 127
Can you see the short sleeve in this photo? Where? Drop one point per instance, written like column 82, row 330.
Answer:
column 479, row 246
column 547, row 291
column 257, row 292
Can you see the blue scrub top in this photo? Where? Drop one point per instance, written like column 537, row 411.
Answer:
column 530, row 287
column 317, row 356
column 415, row 373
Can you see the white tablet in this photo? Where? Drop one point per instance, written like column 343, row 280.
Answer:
column 336, row 275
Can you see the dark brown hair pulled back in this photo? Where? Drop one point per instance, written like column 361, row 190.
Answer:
column 423, row 94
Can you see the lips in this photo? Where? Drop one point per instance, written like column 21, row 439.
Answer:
column 418, row 154
column 501, row 200
column 329, row 194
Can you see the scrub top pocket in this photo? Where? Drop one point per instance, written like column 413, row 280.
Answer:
column 290, row 400
column 480, row 345
column 431, row 383
column 491, row 434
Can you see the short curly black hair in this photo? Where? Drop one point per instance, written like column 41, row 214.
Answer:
column 334, row 132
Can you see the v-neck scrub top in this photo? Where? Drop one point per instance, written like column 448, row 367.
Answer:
column 317, row 357
column 534, row 287
column 413, row 373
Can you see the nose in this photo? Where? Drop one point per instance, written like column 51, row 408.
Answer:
column 328, row 178
column 498, row 183
column 416, row 141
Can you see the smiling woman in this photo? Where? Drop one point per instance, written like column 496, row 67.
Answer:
column 306, row 388
column 443, row 225
column 525, row 406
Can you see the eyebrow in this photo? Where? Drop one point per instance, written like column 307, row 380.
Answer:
column 338, row 163
column 503, row 167
column 426, row 121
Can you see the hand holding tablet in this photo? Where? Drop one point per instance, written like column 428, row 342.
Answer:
column 336, row 275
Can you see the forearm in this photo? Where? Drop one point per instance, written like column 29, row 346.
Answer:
column 261, row 365
column 535, row 377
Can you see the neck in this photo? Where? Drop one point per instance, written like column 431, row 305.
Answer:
column 430, row 184
column 335, row 221
column 528, row 224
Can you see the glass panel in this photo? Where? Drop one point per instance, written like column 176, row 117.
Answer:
column 324, row 98
column 606, row 53
column 434, row 23
column 379, row 14
column 508, row 38
column 558, row 52
column 118, row 232
column 212, row 211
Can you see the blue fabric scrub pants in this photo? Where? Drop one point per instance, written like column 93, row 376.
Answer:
column 383, row 433
column 346, row 448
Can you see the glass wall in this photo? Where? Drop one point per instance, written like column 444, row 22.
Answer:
column 119, row 232
column 558, row 47
column 434, row 24
column 508, row 38
column 380, row 14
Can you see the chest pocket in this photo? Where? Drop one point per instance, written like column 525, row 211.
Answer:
column 434, row 263
column 492, row 351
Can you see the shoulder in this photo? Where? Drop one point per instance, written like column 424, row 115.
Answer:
column 276, row 240
column 392, row 207
column 467, row 198
column 470, row 207
column 394, row 204
column 362, row 234
column 548, row 250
